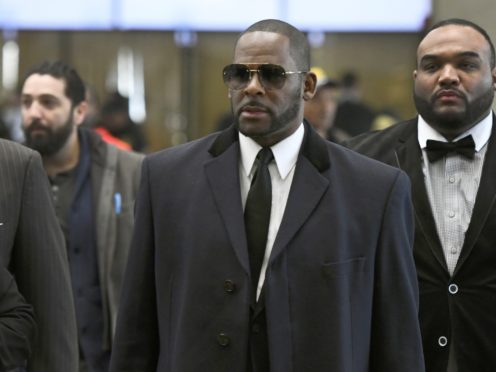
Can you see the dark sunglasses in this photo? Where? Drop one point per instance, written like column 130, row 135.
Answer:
column 238, row 76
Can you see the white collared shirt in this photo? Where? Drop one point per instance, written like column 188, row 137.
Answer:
column 452, row 185
column 281, row 174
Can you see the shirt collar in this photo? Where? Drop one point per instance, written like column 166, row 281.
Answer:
column 285, row 152
column 480, row 132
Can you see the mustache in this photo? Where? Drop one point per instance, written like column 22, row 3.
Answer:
column 36, row 125
column 444, row 91
column 253, row 104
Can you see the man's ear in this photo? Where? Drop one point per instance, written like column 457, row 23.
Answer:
column 493, row 73
column 310, row 86
column 79, row 112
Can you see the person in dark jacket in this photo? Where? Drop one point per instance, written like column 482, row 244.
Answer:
column 449, row 152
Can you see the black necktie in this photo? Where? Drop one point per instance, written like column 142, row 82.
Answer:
column 437, row 149
column 257, row 213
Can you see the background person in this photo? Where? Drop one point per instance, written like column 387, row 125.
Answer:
column 93, row 188
column 321, row 109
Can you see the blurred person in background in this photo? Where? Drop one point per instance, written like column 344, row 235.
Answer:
column 93, row 120
column 353, row 116
column 93, row 186
column 10, row 117
column 385, row 118
column 116, row 120
column 321, row 109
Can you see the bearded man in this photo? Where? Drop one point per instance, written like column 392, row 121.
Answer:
column 258, row 249
column 449, row 152
column 93, row 187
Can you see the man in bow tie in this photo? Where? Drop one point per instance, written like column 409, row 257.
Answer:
column 449, row 152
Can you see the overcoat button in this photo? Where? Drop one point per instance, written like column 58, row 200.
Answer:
column 223, row 339
column 453, row 289
column 255, row 328
column 442, row 341
column 229, row 286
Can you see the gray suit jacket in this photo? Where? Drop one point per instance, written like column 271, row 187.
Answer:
column 32, row 247
column 113, row 172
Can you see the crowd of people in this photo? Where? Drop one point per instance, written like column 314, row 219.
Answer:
column 294, row 239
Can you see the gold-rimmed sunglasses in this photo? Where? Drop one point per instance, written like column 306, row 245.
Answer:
column 237, row 76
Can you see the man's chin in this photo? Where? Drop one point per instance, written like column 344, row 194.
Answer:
column 253, row 128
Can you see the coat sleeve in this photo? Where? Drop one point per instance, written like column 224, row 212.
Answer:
column 17, row 324
column 135, row 346
column 40, row 266
column 396, row 343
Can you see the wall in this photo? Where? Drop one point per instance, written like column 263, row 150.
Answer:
column 185, row 95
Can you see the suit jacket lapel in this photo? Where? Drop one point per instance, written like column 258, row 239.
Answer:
column 484, row 201
column 223, row 177
column 409, row 158
column 307, row 188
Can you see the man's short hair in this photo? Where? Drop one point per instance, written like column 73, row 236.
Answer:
column 466, row 23
column 74, row 85
column 299, row 49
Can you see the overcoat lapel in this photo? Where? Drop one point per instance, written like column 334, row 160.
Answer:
column 103, row 181
column 223, row 177
column 484, row 201
column 409, row 158
column 307, row 188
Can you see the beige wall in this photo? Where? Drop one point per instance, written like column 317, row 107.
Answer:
column 184, row 91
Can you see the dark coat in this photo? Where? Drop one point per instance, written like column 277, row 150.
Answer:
column 468, row 313
column 340, row 290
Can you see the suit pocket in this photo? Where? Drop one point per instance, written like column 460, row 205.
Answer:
column 343, row 268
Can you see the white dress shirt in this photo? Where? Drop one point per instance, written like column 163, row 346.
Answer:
column 452, row 184
column 281, row 175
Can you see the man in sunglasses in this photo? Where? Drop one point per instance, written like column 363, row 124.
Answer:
column 266, row 248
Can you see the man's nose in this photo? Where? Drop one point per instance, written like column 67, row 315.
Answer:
column 33, row 111
column 254, row 85
column 449, row 75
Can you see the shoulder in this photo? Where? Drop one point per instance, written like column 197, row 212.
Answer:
column 354, row 165
column 364, row 179
column 109, row 155
column 377, row 142
column 16, row 159
column 129, row 158
column 393, row 132
column 188, row 154
column 14, row 150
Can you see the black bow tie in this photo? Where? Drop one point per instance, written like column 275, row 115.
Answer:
column 437, row 149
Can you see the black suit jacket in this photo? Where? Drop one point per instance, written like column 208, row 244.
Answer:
column 340, row 288
column 17, row 324
column 467, row 314
column 32, row 247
